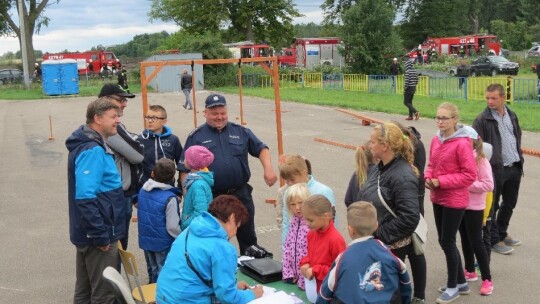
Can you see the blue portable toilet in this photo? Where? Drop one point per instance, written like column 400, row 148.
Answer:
column 60, row 77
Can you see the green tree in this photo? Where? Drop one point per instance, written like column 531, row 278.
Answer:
column 33, row 19
column 141, row 45
column 514, row 36
column 255, row 20
column 369, row 37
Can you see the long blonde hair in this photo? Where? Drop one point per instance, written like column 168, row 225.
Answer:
column 399, row 143
column 362, row 164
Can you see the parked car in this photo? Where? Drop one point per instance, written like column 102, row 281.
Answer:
column 452, row 70
column 493, row 65
column 534, row 51
column 10, row 76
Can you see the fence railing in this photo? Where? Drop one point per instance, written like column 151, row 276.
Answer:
column 517, row 89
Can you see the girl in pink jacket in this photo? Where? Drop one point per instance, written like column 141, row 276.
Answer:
column 450, row 172
column 472, row 222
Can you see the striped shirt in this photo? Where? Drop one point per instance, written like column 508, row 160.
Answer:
column 509, row 151
column 411, row 77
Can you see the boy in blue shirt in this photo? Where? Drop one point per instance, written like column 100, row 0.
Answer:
column 159, row 219
column 366, row 272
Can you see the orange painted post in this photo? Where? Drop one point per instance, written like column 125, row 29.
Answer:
column 144, row 92
column 240, row 92
column 277, row 99
column 51, row 137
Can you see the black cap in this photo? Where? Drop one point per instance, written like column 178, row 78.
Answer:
column 215, row 100
column 114, row 89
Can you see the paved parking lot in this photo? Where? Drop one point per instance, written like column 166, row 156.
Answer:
column 37, row 258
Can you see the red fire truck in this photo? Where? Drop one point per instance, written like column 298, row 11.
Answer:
column 472, row 45
column 97, row 58
column 309, row 52
column 248, row 49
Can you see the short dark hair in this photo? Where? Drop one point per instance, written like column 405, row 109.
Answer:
column 158, row 108
column 495, row 87
column 99, row 107
column 223, row 206
column 164, row 170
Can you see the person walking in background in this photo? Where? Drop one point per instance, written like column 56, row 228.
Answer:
column 499, row 126
column 411, row 80
column 231, row 144
column 128, row 152
column 96, row 202
column 159, row 219
column 450, row 172
column 395, row 69
column 462, row 73
column 186, row 84
column 123, row 80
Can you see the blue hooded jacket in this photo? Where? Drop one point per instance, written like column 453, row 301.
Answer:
column 97, row 213
column 198, row 195
column 212, row 256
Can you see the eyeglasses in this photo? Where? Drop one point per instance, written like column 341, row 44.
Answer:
column 442, row 118
column 119, row 99
column 153, row 118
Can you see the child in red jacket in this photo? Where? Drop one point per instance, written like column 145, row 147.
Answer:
column 325, row 242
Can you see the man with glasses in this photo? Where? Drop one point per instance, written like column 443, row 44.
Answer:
column 499, row 126
column 158, row 141
column 128, row 152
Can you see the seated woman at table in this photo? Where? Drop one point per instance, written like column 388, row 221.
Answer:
column 201, row 265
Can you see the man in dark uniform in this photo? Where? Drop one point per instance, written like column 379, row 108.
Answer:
column 230, row 143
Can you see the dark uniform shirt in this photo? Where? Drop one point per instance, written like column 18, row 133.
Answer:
column 230, row 148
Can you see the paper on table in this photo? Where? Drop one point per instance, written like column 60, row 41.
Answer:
column 311, row 290
column 277, row 297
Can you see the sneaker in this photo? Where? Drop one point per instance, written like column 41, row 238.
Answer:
column 470, row 276
column 463, row 290
column 184, row 106
column 418, row 301
column 487, row 288
column 501, row 248
column 447, row 298
column 509, row 241
column 416, row 115
column 409, row 118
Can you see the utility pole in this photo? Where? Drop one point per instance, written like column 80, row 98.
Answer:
column 22, row 29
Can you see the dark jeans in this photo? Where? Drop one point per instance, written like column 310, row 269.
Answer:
column 472, row 244
column 462, row 80
column 408, row 95
column 155, row 261
column 507, row 181
column 90, row 286
column 418, row 269
column 246, row 233
column 447, row 221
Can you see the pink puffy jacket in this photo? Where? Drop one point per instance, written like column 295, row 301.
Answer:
column 451, row 162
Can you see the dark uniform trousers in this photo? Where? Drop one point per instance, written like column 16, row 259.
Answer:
column 507, row 181
column 246, row 233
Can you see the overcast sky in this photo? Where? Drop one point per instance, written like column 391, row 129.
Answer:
column 78, row 25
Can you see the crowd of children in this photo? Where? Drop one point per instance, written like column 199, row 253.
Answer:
column 367, row 270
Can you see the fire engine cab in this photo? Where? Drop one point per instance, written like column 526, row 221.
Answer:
column 471, row 45
column 89, row 62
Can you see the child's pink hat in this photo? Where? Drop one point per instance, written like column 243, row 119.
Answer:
column 198, row 157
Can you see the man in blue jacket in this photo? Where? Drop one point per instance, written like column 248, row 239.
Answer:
column 96, row 201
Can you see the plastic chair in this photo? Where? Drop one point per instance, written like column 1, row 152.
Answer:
column 120, row 288
column 141, row 293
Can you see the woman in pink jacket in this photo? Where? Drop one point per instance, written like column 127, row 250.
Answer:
column 450, row 172
column 471, row 225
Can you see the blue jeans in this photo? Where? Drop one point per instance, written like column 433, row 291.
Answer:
column 154, row 262
column 188, row 99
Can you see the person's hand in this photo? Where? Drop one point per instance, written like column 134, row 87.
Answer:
column 428, row 184
column 242, row 285
column 104, row 248
column 270, row 177
column 258, row 291
column 306, row 271
column 435, row 183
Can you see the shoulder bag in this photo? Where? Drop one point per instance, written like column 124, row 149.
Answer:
column 419, row 236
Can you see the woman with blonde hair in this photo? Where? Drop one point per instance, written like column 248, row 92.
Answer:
column 393, row 184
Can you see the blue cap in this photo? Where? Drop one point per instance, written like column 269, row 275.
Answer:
column 215, row 100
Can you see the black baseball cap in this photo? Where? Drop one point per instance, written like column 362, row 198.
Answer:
column 114, row 89
column 215, row 100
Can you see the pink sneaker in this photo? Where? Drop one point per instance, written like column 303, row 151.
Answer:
column 487, row 288
column 470, row 276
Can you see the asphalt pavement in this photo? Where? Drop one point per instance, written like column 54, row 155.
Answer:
column 37, row 260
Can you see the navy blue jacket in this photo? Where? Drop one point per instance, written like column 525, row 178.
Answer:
column 231, row 147
column 157, row 146
column 97, row 213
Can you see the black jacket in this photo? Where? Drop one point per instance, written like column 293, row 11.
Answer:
column 399, row 188
column 186, row 83
column 488, row 129
column 462, row 71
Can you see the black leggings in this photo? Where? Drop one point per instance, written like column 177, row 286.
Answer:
column 472, row 244
column 418, row 269
column 447, row 221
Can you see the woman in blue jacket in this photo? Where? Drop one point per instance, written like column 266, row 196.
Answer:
column 201, row 265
